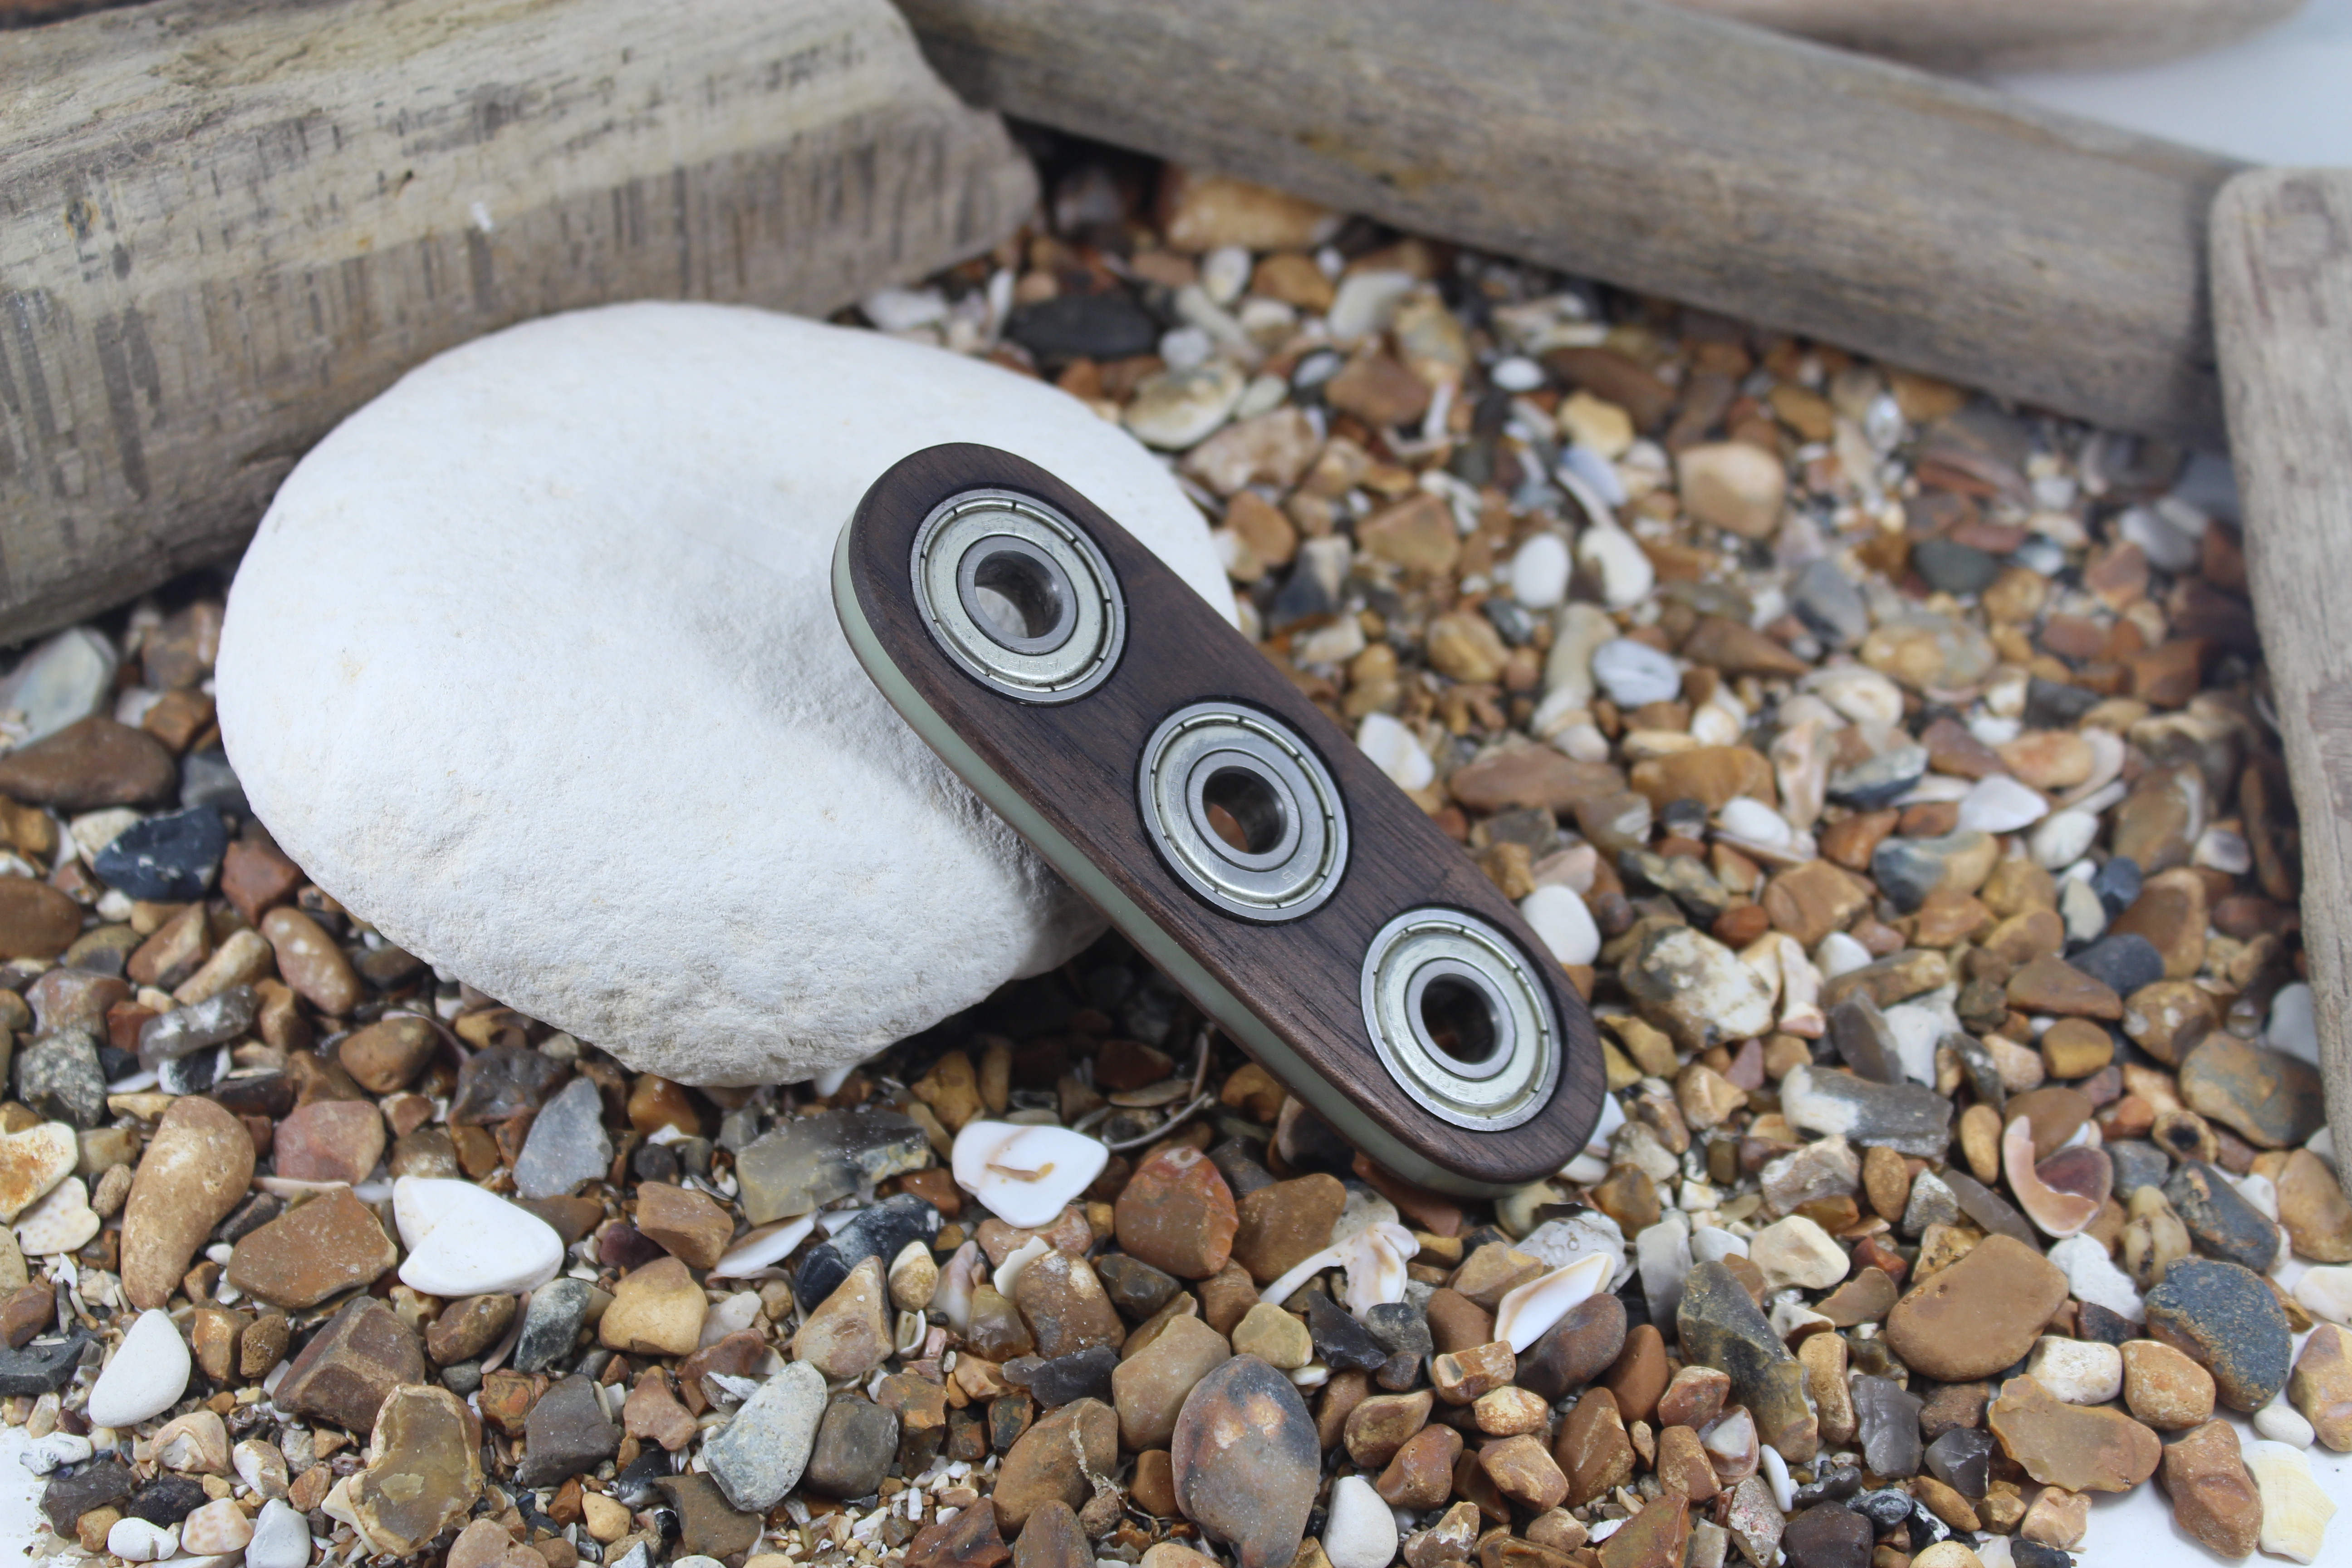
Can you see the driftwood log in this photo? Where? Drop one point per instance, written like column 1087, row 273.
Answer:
column 223, row 226
column 1936, row 224
column 2282, row 310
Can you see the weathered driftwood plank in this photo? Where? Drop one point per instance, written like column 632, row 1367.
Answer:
column 1934, row 224
column 2283, row 314
column 223, row 226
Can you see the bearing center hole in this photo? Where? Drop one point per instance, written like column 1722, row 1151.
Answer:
column 1459, row 1020
column 1244, row 810
column 1017, row 596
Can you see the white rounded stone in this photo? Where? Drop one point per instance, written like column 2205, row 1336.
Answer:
column 1616, row 564
column 62, row 682
column 1360, row 1532
column 136, row 1540
column 464, row 1241
column 2327, row 1292
column 1746, row 818
column 1024, row 1175
column 2080, row 1372
column 1395, row 752
column 146, row 1377
column 1539, row 571
column 1797, row 1251
column 589, row 560
column 281, row 1538
column 2283, row 1423
column 1998, row 804
column 1633, row 673
column 2064, row 837
column 1561, row 917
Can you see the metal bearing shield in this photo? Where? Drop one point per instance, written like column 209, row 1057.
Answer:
column 1071, row 658
column 1515, row 1078
column 1290, row 876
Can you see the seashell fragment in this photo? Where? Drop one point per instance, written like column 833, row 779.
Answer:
column 1527, row 1311
column 1024, row 1175
column 2063, row 1194
column 951, row 1300
column 763, row 1247
column 2295, row 1512
column 1008, row 1273
column 1374, row 1257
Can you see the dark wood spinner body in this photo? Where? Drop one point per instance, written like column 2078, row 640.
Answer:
column 1075, row 765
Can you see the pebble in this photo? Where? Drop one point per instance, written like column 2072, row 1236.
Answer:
column 1910, row 1118
column 463, row 1241
column 2228, row 1319
column 59, row 1078
column 1247, row 1462
column 91, row 763
column 764, row 1449
column 137, row 1541
column 882, row 1230
column 567, row 1146
column 1359, row 1531
column 424, row 1472
column 856, row 1441
column 2220, row 1219
column 2270, row 1099
column 2163, row 1387
column 146, row 1374
column 169, row 857
column 327, row 1245
column 281, row 1538
column 1697, row 989
column 1797, row 1251
column 1054, row 1459
column 2081, row 1448
column 846, row 1337
column 351, row 1365
column 1733, row 486
column 1177, row 1213
column 329, row 1141
column 1721, row 1326
column 566, row 1432
column 1827, row 1535
column 195, row 1170
column 1980, row 1316
column 32, row 1161
column 2080, row 1372
column 1634, row 673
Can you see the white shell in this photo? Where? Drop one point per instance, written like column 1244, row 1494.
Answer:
column 2057, row 1215
column 464, row 1241
column 1374, row 1257
column 1024, row 1175
column 952, row 1301
column 2294, row 1511
column 1008, row 1273
column 768, row 1246
column 1526, row 1310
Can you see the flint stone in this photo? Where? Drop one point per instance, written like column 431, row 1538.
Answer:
column 2220, row 1219
column 42, row 1366
column 351, row 1366
column 566, row 1433
column 881, row 1231
column 761, row 1453
column 2227, row 1319
column 567, row 1145
column 59, row 1078
column 728, row 409
column 1247, row 1462
column 170, row 858
column 1888, row 1426
column 812, row 1160
column 1909, row 1117
column 101, row 1485
column 502, row 1082
column 1721, row 1326
column 856, row 1441
column 552, row 1323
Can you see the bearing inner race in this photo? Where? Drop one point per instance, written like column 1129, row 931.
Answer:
column 1242, row 811
column 1460, row 1020
column 1018, row 596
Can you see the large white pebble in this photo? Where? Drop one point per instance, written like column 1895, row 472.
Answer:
column 1360, row 1532
column 2327, row 1292
column 464, row 1241
column 533, row 664
column 2063, row 837
column 1998, row 804
column 281, row 1538
column 1561, row 917
column 1539, row 571
column 2080, row 1372
column 1395, row 752
column 136, row 1540
column 217, row 1526
column 146, row 1377
column 1024, row 1175
column 1634, row 673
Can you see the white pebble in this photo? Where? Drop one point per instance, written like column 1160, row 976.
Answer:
column 1998, row 804
column 2080, row 1372
column 1858, row 691
column 1619, row 570
column 2294, row 1027
column 1360, row 1531
column 2064, row 837
column 1366, row 303
column 1560, row 918
column 464, row 1241
column 281, row 1538
column 1634, row 673
column 1395, row 752
column 146, row 1377
column 217, row 1528
column 54, row 1452
column 2091, row 1276
column 1840, row 954
column 1751, row 821
column 136, row 1540
column 1517, row 373
column 1024, row 1175
column 1224, row 273
column 2079, row 908
column 2283, row 1423
column 2327, row 1292
column 904, row 310
column 2223, row 851
column 1539, row 571
column 2168, row 547
column 1712, row 1244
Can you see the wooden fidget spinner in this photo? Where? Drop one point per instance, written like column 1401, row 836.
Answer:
column 1229, row 829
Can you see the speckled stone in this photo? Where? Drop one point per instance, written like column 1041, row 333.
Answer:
column 2227, row 1319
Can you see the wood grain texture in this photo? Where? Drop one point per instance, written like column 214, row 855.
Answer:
column 2283, row 311
column 223, row 226
column 1075, row 764
column 1938, row 225
column 2013, row 35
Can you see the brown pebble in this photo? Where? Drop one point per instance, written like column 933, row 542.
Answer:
column 1419, row 1474
column 1279, row 1226
column 89, row 765
column 2214, row 1498
column 1456, row 1322
column 1638, row 1376
column 309, row 962
column 1177, row 1213
column 196, row 1169
column 1980, row 1315
column 330, row 1243
column 1593, row 1448
column 2082, row 1448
